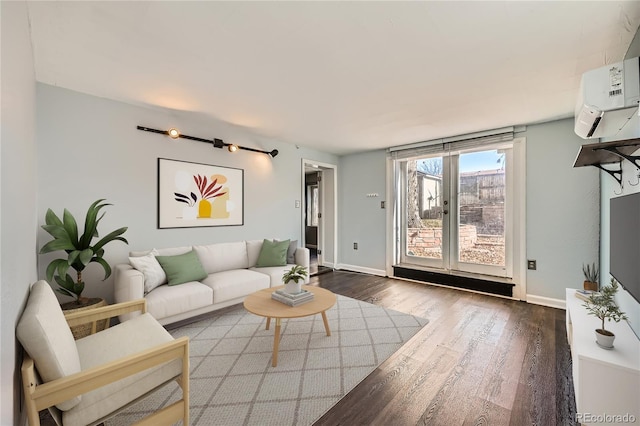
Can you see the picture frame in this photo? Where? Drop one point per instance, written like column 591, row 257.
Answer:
column 199, row 195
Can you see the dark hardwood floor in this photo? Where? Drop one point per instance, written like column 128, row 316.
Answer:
column 481, row 360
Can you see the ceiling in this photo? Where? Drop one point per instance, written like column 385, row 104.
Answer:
column 340, row 77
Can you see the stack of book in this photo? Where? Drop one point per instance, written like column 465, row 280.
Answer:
column 584, row 294
column 292, row 299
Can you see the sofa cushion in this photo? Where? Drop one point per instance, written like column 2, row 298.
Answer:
column 45, row 335
column 228, row 285
column 291, row 251
column 166, row 301
column 273, row 253
column 153, row 273
column 130, row 337
column 253, row 251
column 182, row 268
column 223, row 256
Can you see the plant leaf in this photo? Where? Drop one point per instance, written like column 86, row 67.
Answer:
column 180, row 200
column 55, row 245
column 194, row 197
column 64, row 291
column 178, row 195
column 110, row 237
column 105, row 266
column 51, row 268
column 85, row 256
column 70, row 226
column 50, row 218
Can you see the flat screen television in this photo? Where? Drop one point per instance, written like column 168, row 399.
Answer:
column 624, row 262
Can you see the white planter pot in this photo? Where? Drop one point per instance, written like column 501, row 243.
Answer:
column 293, row 287
column 604, row 341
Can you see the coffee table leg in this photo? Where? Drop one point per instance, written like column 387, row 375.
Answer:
column 276, row 343
column 326, row 323
column 268, row 323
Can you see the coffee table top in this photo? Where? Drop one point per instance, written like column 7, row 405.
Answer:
column 261, row 303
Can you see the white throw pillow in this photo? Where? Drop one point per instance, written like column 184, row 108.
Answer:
column 154, row 275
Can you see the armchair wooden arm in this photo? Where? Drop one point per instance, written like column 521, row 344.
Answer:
column 104, row 312
column 39, row 397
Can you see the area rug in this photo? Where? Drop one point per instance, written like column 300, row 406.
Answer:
column 233, row 382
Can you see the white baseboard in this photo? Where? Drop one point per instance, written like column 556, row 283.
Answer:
column 328, row 265
column 364, row 270
column 546, row 301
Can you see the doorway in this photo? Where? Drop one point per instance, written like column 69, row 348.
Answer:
column 459, row 216
column 319, row 215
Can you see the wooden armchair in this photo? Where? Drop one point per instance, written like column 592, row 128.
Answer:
column 87, row 381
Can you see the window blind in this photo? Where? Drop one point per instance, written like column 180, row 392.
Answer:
column 456, row 143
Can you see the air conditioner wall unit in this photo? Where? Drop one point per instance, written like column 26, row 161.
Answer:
column 608, row 99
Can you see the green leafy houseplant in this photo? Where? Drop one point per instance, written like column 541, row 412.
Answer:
column 295, row 274
column 80, row 249
column 591, row 275
column 603, row 306
column 294, row 278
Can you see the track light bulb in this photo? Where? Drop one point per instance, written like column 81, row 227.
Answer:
column 173, row 133
column 232, row 148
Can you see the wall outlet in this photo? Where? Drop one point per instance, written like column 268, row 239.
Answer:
column 382, row 204
column 355, row 246
column 532, row 264
column 297, row 204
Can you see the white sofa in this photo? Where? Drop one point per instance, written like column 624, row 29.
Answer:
column 231, row 272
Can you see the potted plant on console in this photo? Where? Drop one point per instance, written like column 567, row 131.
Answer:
column 590, row 277
column 603, row 306
column 80, row 252
column 297, row 274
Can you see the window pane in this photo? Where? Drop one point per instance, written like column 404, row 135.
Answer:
column 482, row 208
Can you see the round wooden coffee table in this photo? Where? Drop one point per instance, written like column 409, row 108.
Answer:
column 261, row 303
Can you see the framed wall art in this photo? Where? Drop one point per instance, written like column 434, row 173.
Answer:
column 195, row 194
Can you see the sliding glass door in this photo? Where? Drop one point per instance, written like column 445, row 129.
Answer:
column 456, row 211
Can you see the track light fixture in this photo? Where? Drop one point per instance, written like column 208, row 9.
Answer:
column 217, row 143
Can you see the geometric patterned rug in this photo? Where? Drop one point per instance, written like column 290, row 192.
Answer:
column 233, row 383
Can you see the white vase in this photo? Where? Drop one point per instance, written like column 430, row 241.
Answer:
column 293, row 287
column 604, row 341
column 189, row 212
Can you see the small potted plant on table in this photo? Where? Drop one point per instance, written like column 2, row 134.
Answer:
column 297, row 274
column 603, row 306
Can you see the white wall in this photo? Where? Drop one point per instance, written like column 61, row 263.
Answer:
column 562, row 210
column 361, row 218
column 18, row 196
column 89, row 148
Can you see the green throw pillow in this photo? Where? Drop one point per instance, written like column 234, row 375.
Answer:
column 273, row 253
column 182, row 268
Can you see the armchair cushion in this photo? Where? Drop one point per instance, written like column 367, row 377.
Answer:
column 45, row 335
column 127, row 338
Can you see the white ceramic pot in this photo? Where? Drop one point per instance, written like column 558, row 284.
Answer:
column 293, row 287
column 605, row 341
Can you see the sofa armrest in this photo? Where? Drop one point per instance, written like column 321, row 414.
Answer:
column 302, row 255
column 128, row 285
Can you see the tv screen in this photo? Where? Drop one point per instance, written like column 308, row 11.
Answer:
column 624, row 262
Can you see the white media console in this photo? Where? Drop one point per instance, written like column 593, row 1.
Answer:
column 606, row 382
